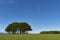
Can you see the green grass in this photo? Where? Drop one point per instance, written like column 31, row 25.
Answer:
column 30, row 37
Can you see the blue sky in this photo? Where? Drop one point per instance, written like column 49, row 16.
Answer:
column 40, row 14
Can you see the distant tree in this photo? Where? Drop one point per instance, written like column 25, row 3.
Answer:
column 50, row 32
column 21, row 27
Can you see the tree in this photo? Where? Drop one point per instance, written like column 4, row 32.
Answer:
column 24, row 27
column 12, row 28
column 50, row 32
column 21, row 27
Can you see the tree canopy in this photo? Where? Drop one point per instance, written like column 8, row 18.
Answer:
column 17, row 27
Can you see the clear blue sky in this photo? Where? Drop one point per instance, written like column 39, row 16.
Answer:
column 40, row 14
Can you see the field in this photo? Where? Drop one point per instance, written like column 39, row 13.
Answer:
column 30, row 37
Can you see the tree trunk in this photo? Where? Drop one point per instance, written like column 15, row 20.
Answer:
column 20, row 31
column 13, row 32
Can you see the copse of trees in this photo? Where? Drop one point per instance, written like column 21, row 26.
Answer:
column 50, row 32
column 17, row 27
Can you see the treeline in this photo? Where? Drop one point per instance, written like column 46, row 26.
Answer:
column 50, row 32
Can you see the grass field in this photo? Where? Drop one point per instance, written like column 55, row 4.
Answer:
column 30, row 37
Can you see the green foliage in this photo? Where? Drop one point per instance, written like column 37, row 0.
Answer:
column 25, row 27
column 50, row 32
column 11, row 28
column 22, row 27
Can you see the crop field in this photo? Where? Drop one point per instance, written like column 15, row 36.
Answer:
column 30, row 37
